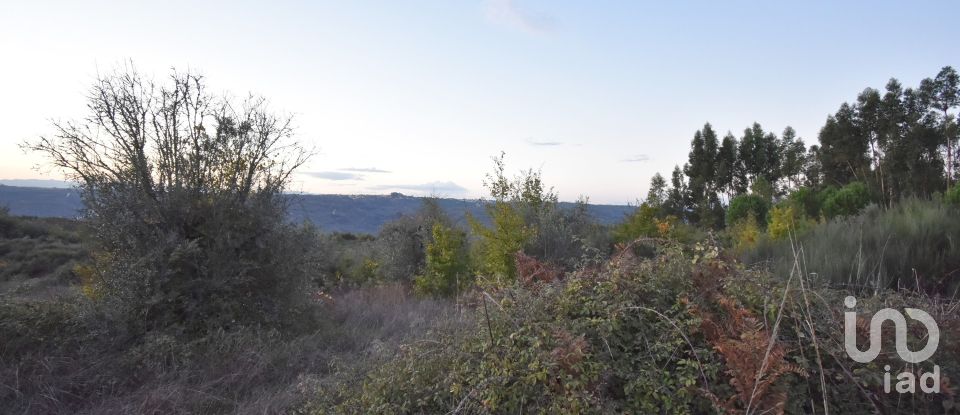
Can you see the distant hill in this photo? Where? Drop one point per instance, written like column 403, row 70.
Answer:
column 332, row 213
column 45, row 183
column 41, row 202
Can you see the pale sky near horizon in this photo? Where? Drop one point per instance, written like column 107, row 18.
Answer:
column 416, row 96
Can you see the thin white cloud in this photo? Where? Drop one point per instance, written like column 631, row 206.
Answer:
column 639, row 158
column 333, row 175
column 507, row 12
column 545, row 143
column 365, row 170
column 435, row 188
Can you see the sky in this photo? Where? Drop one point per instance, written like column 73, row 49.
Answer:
column 417, row 96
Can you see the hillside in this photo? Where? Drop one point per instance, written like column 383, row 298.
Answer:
column 332, row 213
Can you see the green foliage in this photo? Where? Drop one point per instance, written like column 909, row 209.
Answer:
column 446, row 265
column 763, row 188
column 743, row 206
column 657, row 194
column 848, row 200
column 496, row 245
column 953, row 195
column 807, row 201
column 642, row 223
column 787, row 219
column 745, row 232
column 520, row 214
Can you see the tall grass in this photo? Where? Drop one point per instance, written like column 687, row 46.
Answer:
column 66, row 356
column 914, row 244
column 37, row 255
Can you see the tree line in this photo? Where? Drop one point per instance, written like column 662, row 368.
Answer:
column 884, row 146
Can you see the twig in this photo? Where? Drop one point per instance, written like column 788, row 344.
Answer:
column 487, row 315
column 813, row 331
column 773, row 336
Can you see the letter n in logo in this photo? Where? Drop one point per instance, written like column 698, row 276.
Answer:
column 900, row 324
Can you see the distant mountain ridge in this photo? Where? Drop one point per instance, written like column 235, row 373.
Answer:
column 331, row 213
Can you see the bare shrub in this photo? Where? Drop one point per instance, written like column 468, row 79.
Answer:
column 184, row 193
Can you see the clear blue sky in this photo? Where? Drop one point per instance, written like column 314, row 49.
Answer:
column 416, row 96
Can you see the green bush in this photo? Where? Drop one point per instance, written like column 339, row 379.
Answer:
column 786, row 219
column 446, row 265
column 848, row 200
column 495, row 246
column 744, row 205
column 643, row 222
column 807, row 200
column 515, row 213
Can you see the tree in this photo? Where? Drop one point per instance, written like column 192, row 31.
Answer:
column 744, row 206
column 401, row 243
column 794, row 157
column 657, row 195
column 869, row 118
column 701, row 171
column 513, row 200
column 945, row 94
column 696, row 164
column 759, row 153
column 812, row 168
column 727, row 166
column 912, row 159
column 848, row 200
column 445, row 272
column 677, row 203
column 843, row 148
column 185, row 194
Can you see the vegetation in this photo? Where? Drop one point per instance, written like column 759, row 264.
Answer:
column 880, row 149
column 38, row 256
column 912, row 245
column 185, row 288
column 747, row 205
column 685, row 332
column 446, row 268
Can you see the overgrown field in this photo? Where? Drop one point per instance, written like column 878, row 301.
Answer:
column 687, row 331
column 740, row 287
column 659, row 327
